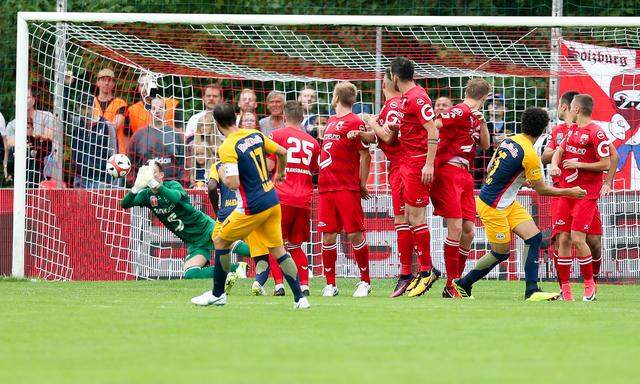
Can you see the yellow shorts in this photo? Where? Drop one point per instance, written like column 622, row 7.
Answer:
column 256, row 246
column 264, row 227
column 499, row 223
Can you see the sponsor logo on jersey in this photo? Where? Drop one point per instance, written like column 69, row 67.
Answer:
column 500, row 236
column 393, row 105
column 583, row 139
column 559, row 138
column 153, row 201
column 510, row 147
column 559, row 222
column 576, row 150
column 249, row 142
column 420, row 101
column 321, row 224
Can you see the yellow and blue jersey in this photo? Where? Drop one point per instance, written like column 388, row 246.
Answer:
column 514, row 162
column 228, row 201
column 247, row 149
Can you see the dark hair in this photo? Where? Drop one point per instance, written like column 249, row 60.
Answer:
column 387, row 74
column 586, row 103
column 157, row 165
column 567, row 97
column 403, row 68
column 224, row 115
column 293, row 111
column 534, row 121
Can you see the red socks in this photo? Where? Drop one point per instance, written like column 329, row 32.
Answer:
column 329, row 257
column 586, row 270
column 595, row 263
column 361, row 254
column 405, row 247
column 276, row 272
column 422, row 238
column 462, row 260
column 301, row 262
column 564, row 269
column 451, row 255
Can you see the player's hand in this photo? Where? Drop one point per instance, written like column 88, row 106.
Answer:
column 280, row 177
column 145, row 174
column 364, row 192
column 369, row 119
column 554, row 171
column 393, row 127
column 527, row 184
column 606, row 190
column 571, row 164
column 577, row 192
column 427, row 174
column 352, row 135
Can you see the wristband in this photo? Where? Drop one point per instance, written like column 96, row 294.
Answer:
column 153, row 184
column 135, row 190
column 433, row 141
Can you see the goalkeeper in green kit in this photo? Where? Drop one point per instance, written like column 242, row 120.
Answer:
column 171, row 204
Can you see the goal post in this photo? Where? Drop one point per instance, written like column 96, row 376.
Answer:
column 179, row 54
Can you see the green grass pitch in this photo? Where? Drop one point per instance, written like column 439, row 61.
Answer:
column 148, row 332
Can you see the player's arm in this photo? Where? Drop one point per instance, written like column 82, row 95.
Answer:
column 272, row 147
column 547, row 155
column 212, row 189
column 545, row 189
column 607, row 186
column 599, row 166
column 172, row 192
column 365, row 166
column 132, row 200
column 367, row 137
column 484, row 141
column 137, row 196
column 554, row 168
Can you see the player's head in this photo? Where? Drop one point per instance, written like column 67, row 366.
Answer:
column 534, row 122
column 225, row 117
column 442, row 104
column 344, row 93
column 293, row 113
column 212, row 96
column 402, row 69
column 388, row 86
column 477, row 89
column 582, row 105
column 158, row 170
column 564, row 104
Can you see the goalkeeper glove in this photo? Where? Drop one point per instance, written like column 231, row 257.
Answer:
column 145, row 175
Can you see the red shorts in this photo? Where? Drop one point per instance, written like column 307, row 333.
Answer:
column 452, row 193
column 296, row 224
column 340, row 211
column 580, row 215
column 415, row 193
column 397, row 191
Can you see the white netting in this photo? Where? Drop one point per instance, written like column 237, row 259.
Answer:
column 84, row 234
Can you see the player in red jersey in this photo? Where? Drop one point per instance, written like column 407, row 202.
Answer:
column 583, row 155
column 558, row 133
column 296, row 191
column 418, row 142
column 387, row 139
column 344, row 169
column 461, row 128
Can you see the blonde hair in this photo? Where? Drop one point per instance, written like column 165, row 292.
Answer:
column 345, row 93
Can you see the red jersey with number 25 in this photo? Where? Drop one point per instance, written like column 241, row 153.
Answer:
column 587, row 145
column 339, row 156
column 302, row 162
column 390, row 114
column 458, row 136
column 416, row 112
column 558, row 134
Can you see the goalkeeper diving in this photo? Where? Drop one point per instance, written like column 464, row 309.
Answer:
column 171, row 204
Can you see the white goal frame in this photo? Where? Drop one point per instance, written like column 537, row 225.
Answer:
column 22, row 62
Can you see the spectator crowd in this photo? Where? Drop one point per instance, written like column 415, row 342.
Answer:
column 73, row 150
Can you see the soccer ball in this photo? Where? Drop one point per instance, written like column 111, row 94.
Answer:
column 118, row 165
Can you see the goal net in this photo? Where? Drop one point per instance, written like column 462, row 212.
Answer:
column 92, row 84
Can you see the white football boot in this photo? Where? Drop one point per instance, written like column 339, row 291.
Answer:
column 208, row 298
column 257, row 289
column 303, row 303
column 330, row 290
column 362, row 289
